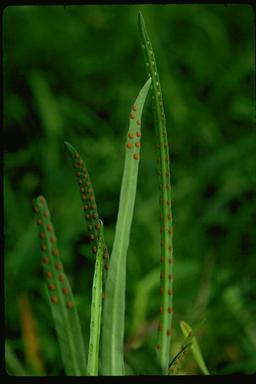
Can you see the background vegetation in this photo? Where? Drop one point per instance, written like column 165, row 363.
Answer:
column 71, row 73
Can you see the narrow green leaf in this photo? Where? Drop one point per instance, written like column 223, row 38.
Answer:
column 13, row 365
column 61, row 300
column 96, row 309
column 114, row 305
column 176, row 362
column 187, row 332
column 166, row 227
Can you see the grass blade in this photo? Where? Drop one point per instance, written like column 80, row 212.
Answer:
column 12, row 364
column 187, row 332
column 96, row 309
column 61, row 300
column 114, row 305
column 166, row 230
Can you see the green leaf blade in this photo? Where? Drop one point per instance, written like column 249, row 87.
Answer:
column 114, row 305
column 96, row 310
column 188, row 332
column 65, row 316
column 88, row 199
column 166, row 226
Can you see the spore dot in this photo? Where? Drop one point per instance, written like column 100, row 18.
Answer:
column 65, row 290
column 55, row 252
column 69, row 305
column 45, row 260
column 52, row 287
column 54, row 299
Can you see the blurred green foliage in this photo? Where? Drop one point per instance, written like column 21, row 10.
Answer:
column 71, row 73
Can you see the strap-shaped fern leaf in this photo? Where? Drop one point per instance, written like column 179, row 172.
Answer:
column 89, row 202
column 166, row 231
column 65, row 316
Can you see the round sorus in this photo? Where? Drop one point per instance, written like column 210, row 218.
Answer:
column 35, row 209
column 132, row 116
column 92, row 206
column 58, row 266
column 170, row 310
column 52, row 287
column 69, row 305
column 49, row 274
column 49, row 227
column 61, row 278
column 85, row 207
column 95, row 216
column 138, row 122
column 45, row 260
column 42, row 235
column 89, row 227
column 94, row 249
column 39, row 222
column 45, row 214
column 137, row 144
column 92, row 236
column 130, row 135
column 97, row 226
column 82, row 189
column 44, row 247
column 87, row 216
column 65, row 290
column 53, row 239
column 138, row 134
column 42, row 200
column 54, row 299
column 134, row 108
column 129, row 145
column 55, row 252
column 136, row 156
column 168, row 333
column 83, row 197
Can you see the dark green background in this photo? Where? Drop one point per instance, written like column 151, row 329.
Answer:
column 72, row 74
